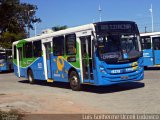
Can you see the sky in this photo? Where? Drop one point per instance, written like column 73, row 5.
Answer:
column 79, row 12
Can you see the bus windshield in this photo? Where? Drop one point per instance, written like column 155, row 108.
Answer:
column 2, row 55
column 118, row 46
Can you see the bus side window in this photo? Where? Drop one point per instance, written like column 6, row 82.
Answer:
column 37, row 48
column 58, row 46
column 156, row 43
column 28, row 50
column 70, row 44
column 146, row 43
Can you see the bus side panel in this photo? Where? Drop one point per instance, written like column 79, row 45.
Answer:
column 3, row 67
column 148, row 57
column 37, row 68
column 157, row 57
column 15, row 69
column 60, row 68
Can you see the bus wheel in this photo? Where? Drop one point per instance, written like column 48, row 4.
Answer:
column 30, row 77
column 74, row 81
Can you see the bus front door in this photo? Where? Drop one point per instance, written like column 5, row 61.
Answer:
column 156, row 49
column 48, row 58
column 87, row 68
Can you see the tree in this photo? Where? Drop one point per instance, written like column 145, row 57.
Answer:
column 28, row 16
column 9, row 1
column 8, row 38
column 57, row 28
column 16, row 19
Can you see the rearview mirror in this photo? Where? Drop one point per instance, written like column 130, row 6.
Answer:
column 95, row 42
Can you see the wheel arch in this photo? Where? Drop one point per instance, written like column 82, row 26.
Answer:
column 75, row 81
column 70, row 70
column 28, row 70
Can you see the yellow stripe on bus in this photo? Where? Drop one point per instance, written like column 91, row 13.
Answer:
column 50, row 80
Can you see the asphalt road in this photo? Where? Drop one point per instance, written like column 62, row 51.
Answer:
column 135, row 97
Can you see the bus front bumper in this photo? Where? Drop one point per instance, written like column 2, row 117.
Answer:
column 115, row 79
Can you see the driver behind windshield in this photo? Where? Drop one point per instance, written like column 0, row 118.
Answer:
column 111, row 44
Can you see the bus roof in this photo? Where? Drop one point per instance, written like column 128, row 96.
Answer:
column 61, row 32
column 150, row 34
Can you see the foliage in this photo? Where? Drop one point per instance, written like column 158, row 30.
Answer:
column 16, row 19
column 57, row 28
column 8, row 38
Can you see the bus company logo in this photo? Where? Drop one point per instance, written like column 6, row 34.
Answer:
column 39, row 65
column 110, row 56
column 146, row 55
column 57, row 75
column 60, row 63
column 128, row 69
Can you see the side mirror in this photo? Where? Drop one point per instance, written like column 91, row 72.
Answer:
column 95, row 42
column 94, row 39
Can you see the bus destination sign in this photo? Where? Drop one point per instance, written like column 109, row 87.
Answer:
column 116, row 27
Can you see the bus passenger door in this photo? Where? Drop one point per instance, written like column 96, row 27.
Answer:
column 87, row 64
column 156, row 49
column 19, row 61
column 48, row 58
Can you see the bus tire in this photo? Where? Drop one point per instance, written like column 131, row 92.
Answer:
column 74, row 80
column 10, row 69
column 30, row 77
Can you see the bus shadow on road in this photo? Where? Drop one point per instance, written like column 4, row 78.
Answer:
column 93, row 89
column 151, row 68
column 62, row 85
column 114, row 88
column 6, row 72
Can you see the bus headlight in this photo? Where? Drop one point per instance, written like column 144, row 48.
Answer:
column 102, row 69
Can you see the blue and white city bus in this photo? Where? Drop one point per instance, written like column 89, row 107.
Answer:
column 102, row 53
column 151, row 48
column 6, row 60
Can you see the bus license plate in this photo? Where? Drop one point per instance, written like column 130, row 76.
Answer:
column 124, row 77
